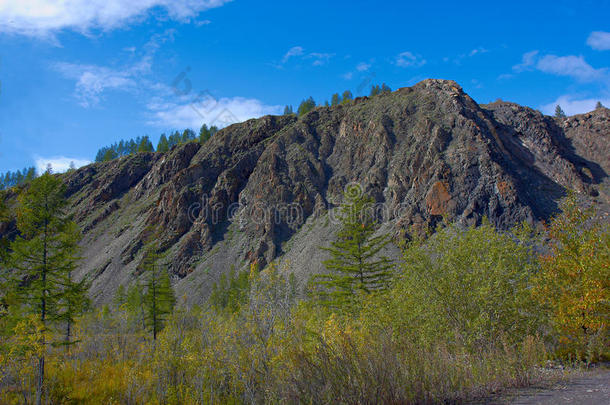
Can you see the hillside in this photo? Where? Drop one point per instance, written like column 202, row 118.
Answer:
column 262, row 190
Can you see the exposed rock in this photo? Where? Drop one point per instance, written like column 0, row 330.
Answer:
column 265, row 189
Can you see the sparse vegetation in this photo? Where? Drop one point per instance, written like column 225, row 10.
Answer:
column 468, row 311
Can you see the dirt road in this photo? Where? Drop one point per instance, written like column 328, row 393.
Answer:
column 589, row 388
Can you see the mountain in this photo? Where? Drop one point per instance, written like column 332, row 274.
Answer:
column 265, row 189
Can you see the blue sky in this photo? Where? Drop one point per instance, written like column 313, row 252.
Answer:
column 77, row 75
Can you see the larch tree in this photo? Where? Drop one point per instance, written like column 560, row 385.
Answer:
column 306, row 106
column 43, row 259
column 158, row 299
column 163, row 145
column 375, row 90
column 335, row 99
column 559, row 113
column 347, row 97
column 145, row 145
column 204, row 134
column 356, row 266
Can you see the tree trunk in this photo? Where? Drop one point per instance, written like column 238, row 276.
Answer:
column 40, row 380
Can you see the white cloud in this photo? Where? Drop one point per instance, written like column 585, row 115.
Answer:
column 92, row 81
column 573, row 66
column 318, row 58
column 44, row 18
column 407, row 59
column 348, row 76
column 59, row 164
column 599, row 40
column 478, row 51
column 571, row 105
column 527, row 61
column 363, row 67
column 570, row 65
column 208, row 110
column 294, row 51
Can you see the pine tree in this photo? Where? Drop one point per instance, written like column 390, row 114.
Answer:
column 145, row 145
column 43, row 258
column 288, row 110
column 599, row 105
column 385, row 89
column 375, row 90
column 163, row 145
column 355, row 265
column 306, row 106
column 335, row 100
column 204, row 134
column 559, row 112
column 158, row 298
column 347, row 97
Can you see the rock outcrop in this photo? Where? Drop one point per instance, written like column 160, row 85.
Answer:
column 265, row 189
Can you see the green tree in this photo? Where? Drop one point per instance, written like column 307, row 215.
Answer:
column 472, row 285
column 145, row 145
column 574, row 282
column 385, row 89
column 599, row 105
column 559, row 112
column 158, row 299
column 355, row 266
column 188, row 135
column 347, row 97
column 288, row 110
column 306, row 106
column 204, row 134
column 43, row 258
column 4, row 217
column 335, row 100
column 375, row 90
column 230, row 292
column 163, row 145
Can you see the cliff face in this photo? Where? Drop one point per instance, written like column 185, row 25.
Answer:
column 263, row 189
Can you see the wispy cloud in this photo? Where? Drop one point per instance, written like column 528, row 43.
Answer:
column 44, row 18
column 363, row 66
column 599, row 40
column 477, row 51
column 573, row 66
column 572, row 104
column 570, row 65
column 317, row 58
column 58, row 164
column 294, row 51
column 528, row 60
column 220, row 112
column 92, row 81
column 408, row 59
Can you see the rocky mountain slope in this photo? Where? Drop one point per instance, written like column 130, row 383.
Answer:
column 265, row 189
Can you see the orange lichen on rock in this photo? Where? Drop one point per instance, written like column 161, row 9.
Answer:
column 438, row 198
